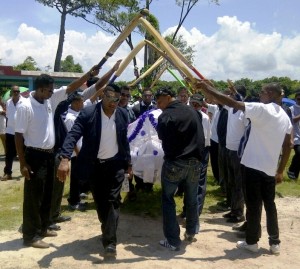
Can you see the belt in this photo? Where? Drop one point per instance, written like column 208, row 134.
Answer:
column 41, row 150
column 101, row 161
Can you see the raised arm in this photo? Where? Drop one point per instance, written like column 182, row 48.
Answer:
column 73, row 86
column 105, row 78
column 221, row 98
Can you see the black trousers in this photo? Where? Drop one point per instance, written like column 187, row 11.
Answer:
column 37, row 194
column 214, row 151
column 295, row 164
column 106, row 183
column 11, row 153
column 260, row 188
column 57, row 193
column 74, row 196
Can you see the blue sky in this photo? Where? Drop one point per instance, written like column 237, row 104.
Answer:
column 238, row 38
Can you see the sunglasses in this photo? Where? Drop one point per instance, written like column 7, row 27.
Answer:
column 16, row 91
column 125, row 95
column 112, row 99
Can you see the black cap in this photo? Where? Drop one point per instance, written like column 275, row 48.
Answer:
column 165, row 91
column 196, row 98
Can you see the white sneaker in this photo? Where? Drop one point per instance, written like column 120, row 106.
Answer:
column 275, row 249
column 244, row 245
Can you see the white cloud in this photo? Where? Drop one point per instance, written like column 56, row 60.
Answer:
column 237, row 50
column 234, row 51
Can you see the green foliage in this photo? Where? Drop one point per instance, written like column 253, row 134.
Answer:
column 253, row 87
column 68, row 65
column 77, row 8
column 182, row 46
column 28, row 64
column 113, row 16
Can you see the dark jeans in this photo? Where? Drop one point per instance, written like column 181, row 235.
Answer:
column 74, row 196
column 57, row 194
column 37, row 193
column 214, row 152
column 201, row 193
column 295, row 164
column 174, row 172
column 106, row 184
column 235, row 184
column 260, row 188
column 11, row 153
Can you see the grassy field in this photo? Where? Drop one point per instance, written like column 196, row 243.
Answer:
column 147, row 204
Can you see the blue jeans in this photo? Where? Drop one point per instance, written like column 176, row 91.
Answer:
column 173, row 173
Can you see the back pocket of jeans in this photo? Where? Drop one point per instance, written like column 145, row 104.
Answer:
column 171, row 172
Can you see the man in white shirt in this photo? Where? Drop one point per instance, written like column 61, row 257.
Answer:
column 34, row 128
column 11, row 108
column 270, row 135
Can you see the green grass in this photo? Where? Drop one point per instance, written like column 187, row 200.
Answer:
column 147, row 204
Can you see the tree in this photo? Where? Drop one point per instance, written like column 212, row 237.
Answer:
column 113, row 17
column 28, row 64
column 68, row 65
column 77, row 8
column 186, row 7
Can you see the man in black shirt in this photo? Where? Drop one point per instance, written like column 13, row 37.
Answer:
column 180, row 129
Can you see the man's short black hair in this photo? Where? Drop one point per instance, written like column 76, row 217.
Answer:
column 113, row 87
column 165, row 91
column 43, row 80
column 125, row 88
column 75, row 96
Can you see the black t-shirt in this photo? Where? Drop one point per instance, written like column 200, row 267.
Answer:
column 180, row 129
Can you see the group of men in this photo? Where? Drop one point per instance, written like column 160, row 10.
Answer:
column 103, row 153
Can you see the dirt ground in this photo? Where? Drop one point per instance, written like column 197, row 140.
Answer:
column 78, row 245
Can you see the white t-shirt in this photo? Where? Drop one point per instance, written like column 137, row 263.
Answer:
column 206, row 128
column 11, row 109
column 295, row 109
column 108, row 141
column 35, row 120
column 269, row 125
column 236, row 124
column 214, row 124
column 70, row 119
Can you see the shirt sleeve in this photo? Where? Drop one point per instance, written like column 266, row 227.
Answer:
column 89, row 92
column 58, row 96
column 22, row 117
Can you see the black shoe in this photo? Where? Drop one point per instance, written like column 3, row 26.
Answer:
column 291, row 175
column 240, row 228
column 62, row 219
column 236, row 219
column 110, row 251
column 228, row 215
column 54, row 227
